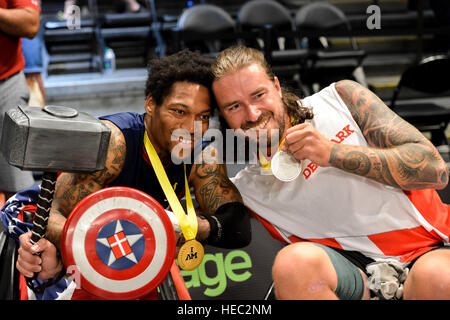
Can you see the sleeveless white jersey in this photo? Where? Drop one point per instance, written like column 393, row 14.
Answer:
column 330, row 206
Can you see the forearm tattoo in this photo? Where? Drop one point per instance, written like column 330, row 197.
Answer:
column 71, row 188
column 398, row 154
column 213, row 188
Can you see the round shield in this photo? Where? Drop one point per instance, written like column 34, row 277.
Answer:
column 121, row 241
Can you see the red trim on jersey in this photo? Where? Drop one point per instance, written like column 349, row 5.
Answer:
column 407, row 243
column 145, row 156
column 147, row 159
column 269, row 227
column 331, row 242
column 431, row 207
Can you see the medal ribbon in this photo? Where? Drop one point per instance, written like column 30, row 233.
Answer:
column 188, row 224
column 263, row 162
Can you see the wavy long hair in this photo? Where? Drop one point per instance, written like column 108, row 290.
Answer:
column 235, row 58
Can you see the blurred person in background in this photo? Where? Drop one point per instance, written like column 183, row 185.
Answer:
column 36, row 61
column 18, row 18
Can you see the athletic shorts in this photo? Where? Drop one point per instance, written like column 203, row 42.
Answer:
column 35, row 53
column 348, row 265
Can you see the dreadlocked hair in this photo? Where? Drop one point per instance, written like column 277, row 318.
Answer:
column 294, row 107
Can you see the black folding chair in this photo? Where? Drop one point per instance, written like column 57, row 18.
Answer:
column 206, row 28
column 275, row 35
column 317, row 22
column 257, row 15
column 429, row 76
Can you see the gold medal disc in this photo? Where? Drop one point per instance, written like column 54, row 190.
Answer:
column 190, row 255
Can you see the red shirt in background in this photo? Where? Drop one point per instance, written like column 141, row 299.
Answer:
column 11, row 57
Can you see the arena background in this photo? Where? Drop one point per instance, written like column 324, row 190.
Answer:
column 390, row 40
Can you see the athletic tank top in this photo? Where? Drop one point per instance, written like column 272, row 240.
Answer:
column 343, row 210
column 137, row 171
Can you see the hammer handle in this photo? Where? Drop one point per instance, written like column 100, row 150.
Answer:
column 43, row 206
column 40, row 221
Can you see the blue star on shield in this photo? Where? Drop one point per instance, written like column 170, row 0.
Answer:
column 120, row 244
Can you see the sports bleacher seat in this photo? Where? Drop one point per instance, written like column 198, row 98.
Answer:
column 316, row 22
column 429, row 76
column 259, row 14
column 276, row 37
column 72, row 49
column 206, row 28
column 130, row 35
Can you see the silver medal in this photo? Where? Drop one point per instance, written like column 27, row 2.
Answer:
column 285, row 167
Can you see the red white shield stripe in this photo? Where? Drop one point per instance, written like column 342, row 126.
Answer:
column 102, row 207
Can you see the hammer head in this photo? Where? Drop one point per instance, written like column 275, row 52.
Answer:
column 54, row 139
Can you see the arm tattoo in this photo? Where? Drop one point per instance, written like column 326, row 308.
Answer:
column 71, row 188
column 212, row 186
column 398, row 154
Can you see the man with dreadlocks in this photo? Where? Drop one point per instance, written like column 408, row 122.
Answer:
column 357, row 186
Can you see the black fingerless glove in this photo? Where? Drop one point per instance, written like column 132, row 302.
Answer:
column 229, row 226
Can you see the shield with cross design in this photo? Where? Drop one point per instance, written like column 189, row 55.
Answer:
column 121, row 241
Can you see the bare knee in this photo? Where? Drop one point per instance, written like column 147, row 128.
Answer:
column 303, row 271
column 429, row 277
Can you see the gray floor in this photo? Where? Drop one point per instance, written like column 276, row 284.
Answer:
column 99, row 94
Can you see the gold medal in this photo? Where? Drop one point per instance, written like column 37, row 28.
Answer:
column 190, row 255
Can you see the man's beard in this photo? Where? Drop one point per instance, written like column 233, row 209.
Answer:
column 271, row 140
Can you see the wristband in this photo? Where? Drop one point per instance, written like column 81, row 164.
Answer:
column 229, row 226
column 215, row 229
